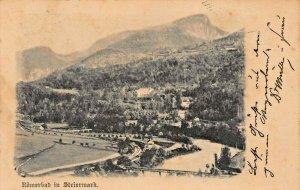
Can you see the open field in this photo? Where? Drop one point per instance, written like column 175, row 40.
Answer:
column 28, row 144
column 39, row 151
column 61, row 155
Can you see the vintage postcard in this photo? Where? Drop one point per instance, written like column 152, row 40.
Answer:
column 146, row 94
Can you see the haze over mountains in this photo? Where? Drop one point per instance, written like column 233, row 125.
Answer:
column 121, row 48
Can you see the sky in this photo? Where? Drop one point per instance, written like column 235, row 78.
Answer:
column 68, row 26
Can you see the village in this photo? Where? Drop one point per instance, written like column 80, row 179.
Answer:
column 143, row 113
column 137, row 149
column 135, row 155
column 165, row 110
column 145, row 102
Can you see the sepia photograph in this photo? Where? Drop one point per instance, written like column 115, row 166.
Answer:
column 143, row 94
column 163, row 100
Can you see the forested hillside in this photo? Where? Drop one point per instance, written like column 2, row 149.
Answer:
column 211, row 73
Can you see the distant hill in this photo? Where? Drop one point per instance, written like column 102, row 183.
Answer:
column 39, row 62
column 121, row 48
column 141, row 44
column 184, row 65
column 183, row 32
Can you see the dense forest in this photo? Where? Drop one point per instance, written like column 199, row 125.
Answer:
column 208, row 73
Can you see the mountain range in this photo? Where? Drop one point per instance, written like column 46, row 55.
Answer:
column 121, row 48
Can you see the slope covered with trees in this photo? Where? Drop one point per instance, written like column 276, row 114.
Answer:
column 211, row 73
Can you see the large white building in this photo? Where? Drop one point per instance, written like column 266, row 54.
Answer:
column 144, row 92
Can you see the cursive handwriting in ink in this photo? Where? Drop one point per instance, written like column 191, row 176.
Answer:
column 291, row 65
column 257, row 44
column 257, row 77
column 266, row 75
column 278, row 85
column 254, row 129
column 253, row 167
column 281, row 35
column 274, row 92
column 267, row 150
column 268, row 172
column 271, row 94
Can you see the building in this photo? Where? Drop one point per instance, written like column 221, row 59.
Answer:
column 150, row 144
column 181, row 114
column 58, row 126
column 144, row 92
column 176, row 124
column 162, row 116
column 74, row 131
column 185, row 102
column 131, row 122
column 231, row 49
column 86, row 130
column 38, row 127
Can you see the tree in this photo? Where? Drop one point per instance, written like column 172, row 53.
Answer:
column 124, row 160
column 122, row 145
column 108, row 165
column 146, row 158
column 184, row 126
column 127, row 140
column 161, row 152
column 44, row 125
column 225, row 158
column 145, row 120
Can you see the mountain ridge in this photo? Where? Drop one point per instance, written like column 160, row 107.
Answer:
column 135, row 43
